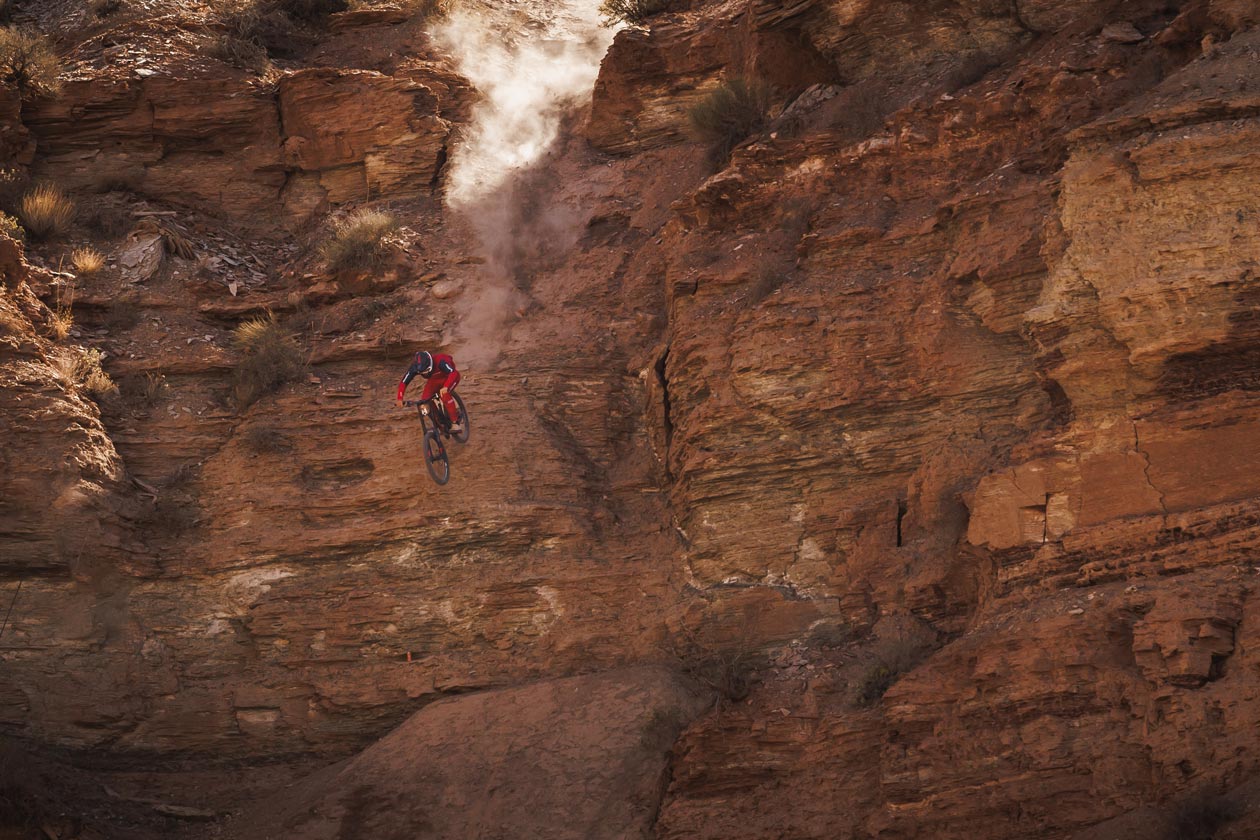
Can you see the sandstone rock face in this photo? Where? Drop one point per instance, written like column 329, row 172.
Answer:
column 210, row 138
column 921, row 431
column 601, row 742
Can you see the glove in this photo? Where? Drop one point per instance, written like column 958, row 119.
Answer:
column 446, row 392
column 399, row 402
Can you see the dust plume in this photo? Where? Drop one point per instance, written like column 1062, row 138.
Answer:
column 534, row 64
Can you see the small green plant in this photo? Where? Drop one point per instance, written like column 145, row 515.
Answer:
column 28, row 62
column 270, row 358
column 360, row 241
column 46, row 212
column 729, row 113
column 631, row 11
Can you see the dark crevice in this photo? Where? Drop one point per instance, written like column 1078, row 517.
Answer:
column 901, row 514
column 664, row 383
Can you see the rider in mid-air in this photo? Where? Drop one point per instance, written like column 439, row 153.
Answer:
column 441, row 377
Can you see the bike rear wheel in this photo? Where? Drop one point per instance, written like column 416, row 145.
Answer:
column 435, row 460
column 462, row 437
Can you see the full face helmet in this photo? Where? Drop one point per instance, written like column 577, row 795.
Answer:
column 424, row 362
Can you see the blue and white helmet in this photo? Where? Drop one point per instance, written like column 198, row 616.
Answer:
column 424, row 362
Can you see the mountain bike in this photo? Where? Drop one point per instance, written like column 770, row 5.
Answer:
column 435, row 426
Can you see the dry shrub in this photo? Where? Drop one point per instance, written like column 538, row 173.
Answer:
column 270, row 358
column 61, row 318
column 46, row 212
column 14, row 183
column 729, row 113
column 267, row 439
column 360, row 241
column 242, row 54
column 724, row 667
column 311, row 11
column 105, row 8
column 630, row 11
column 87, row 260
column 11, row 227
column 144, row 391
column 107, row 220
column 894, row 657
column 28, row 62
column 84, row 369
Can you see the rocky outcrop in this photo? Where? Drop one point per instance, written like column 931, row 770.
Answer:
column 601, row 741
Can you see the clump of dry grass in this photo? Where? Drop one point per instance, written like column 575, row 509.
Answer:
column 61, row 318
column 730, row 112
column 270, row 358
column 84, row 369
column 28, row 62
column 87, row 260
column 631, row 11
column 360, row 241
column 46, row 212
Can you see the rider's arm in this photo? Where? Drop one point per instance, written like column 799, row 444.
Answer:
column 406, row 380
column 444, row 368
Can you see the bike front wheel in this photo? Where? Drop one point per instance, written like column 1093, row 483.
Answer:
column 435, row 460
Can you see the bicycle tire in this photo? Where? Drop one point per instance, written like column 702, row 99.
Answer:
column 435, row 459
column 462, row 437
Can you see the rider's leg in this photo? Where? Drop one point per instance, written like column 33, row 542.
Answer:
column 426, row 396
column 448, row 399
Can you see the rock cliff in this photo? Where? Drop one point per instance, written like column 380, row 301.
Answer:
column 893, row 476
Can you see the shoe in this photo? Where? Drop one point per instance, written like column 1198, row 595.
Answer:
column 456, row 428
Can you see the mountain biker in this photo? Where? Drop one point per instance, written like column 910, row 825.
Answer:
column 441, row 377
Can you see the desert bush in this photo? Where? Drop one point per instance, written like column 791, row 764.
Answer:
column 84, row 369
column 311, row 11
column 46, row 212
column 107, row 220
column 11, row 227
column 894, row 657
column 724, row 667
column 267, row 439
column 270, row 358
column 27, row 61
column 729, row 113
column 105, row 8
column 240, row 53
column 630, row 11
column 144, row 391
column 360, row 241
column 87, row 260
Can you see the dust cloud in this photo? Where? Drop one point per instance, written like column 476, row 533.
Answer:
column 534, row 64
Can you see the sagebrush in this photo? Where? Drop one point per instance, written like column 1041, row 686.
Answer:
column 84, row 369
column 28, row 62
column 729, row 113
column 270, row 357
column 360, row 241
